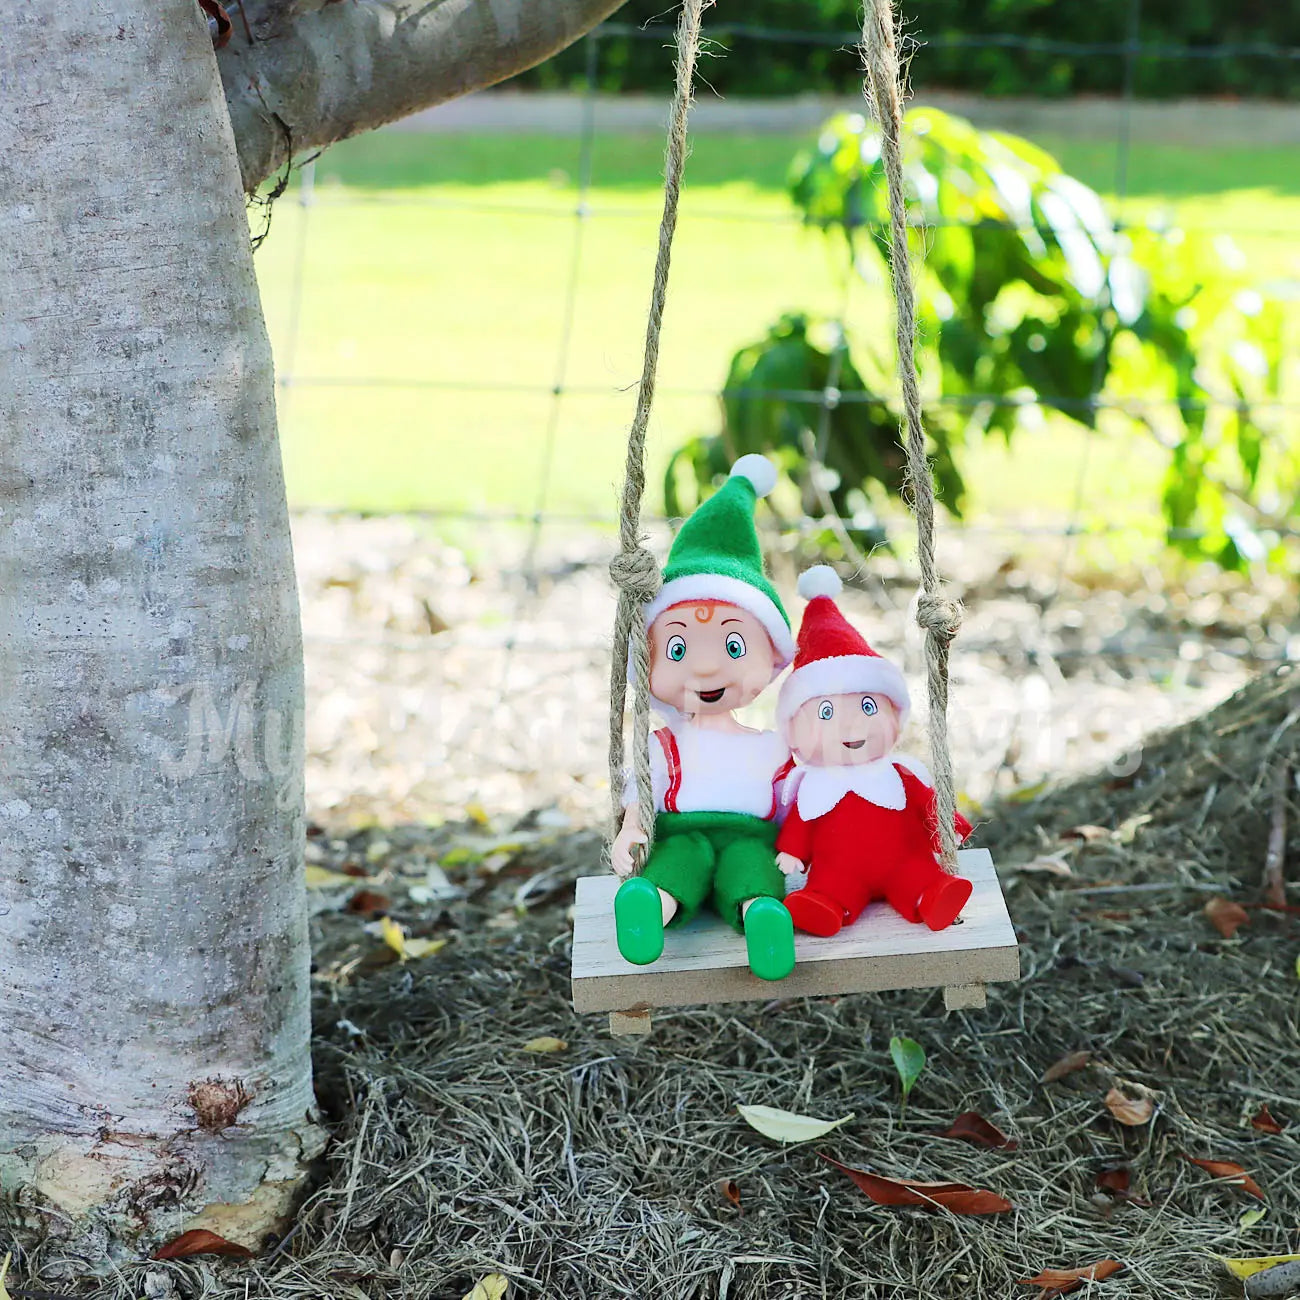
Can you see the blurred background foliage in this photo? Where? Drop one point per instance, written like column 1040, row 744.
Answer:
column 1030, row 296
column 790, row 60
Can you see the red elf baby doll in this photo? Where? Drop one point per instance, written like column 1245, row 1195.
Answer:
column 861, row 818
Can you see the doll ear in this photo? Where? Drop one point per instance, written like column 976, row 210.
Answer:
column 820, row 580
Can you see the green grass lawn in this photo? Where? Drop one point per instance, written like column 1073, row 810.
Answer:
column 434, row 272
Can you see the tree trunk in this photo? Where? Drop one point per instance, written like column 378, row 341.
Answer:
column 154, row 1022
column 317, row 71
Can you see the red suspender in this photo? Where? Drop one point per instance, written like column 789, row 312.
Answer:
column 674, row 760
column 777, row 781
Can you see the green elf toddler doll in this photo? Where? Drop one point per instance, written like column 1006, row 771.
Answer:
column 718, row 637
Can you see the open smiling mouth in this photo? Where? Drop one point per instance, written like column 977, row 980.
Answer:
column 712, row 697
column 854, row 744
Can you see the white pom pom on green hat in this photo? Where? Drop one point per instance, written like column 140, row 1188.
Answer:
column 760, row 472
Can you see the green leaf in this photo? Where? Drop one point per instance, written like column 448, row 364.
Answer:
column 1027, row 287
column 909, row 1061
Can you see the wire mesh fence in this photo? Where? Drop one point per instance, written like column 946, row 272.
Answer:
column 526, row 668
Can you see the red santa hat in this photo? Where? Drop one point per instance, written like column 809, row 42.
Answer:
column 833, row 658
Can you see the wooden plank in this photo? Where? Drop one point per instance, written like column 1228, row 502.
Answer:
column 704, row 962
column 965, row 997
column 622, row 1024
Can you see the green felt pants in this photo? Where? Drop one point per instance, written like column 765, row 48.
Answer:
column 728, row 857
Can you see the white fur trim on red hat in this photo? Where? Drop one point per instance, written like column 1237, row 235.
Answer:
column 844, row 675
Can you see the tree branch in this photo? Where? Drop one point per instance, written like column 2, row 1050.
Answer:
column 319, row 71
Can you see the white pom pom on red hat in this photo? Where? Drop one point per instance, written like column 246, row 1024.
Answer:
column 820, row 580
column 760, row 472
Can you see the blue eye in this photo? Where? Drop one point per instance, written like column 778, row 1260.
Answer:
column 736, row 645
column 826, row 710
column 868, row 705
column 676, row 648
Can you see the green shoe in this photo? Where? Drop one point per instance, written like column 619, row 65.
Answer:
column 639, row 921
column 769, row 939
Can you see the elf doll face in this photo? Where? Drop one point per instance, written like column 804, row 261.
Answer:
column 844, row 730
column 709, row 657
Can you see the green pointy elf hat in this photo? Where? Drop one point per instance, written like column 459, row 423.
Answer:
column 716, row 556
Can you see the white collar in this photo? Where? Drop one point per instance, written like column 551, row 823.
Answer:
column 816, row 790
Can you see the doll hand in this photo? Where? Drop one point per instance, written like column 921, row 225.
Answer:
column 621, row 853
column 794, row 871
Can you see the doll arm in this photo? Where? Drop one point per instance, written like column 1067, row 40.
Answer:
column 630, row 834
column 794, row 839
column 959, row 823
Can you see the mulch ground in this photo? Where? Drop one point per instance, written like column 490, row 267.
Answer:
column 620, row 1167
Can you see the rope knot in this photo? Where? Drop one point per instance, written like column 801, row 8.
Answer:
column 939, row 614
column 636, row 572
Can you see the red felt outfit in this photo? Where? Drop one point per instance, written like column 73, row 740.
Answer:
column 860, row 852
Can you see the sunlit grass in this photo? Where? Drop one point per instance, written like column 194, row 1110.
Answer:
column 430, row 329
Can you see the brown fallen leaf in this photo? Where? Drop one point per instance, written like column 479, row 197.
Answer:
column 1133, row 1111
column 199, row 1241
column 1116, row 1182
column 1066, row 1065
column 1232, row 1173
column 1226, row 916
column 1061, row 1281
column 730, row 1190
column 970, row 1126
column 1264, row 1121
column 223, row 24
column 956, row 1197
column 1088, row 834
column 368, row 901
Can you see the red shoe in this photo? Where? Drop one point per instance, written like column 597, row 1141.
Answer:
column 941, row 902
column 814, row 913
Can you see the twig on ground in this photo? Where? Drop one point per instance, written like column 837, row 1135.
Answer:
column 1275, row 858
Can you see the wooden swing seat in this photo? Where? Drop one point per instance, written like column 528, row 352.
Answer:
column 704, row 961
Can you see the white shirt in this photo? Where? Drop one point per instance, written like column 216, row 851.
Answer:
column 712, row 770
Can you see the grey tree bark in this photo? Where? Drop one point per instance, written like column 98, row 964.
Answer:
column 154, row 1020
column 318, row 71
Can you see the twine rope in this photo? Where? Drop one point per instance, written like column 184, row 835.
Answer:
column 634, row 570
column 937, row 613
